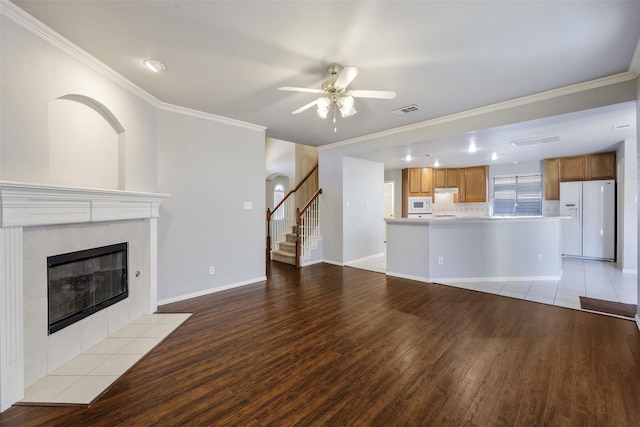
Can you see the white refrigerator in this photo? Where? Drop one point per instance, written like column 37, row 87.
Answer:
column 590, row 231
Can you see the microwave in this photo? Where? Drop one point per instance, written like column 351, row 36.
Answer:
column 419, row 205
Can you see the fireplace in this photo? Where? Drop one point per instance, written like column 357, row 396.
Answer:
column 40, row 221
column 84, row 282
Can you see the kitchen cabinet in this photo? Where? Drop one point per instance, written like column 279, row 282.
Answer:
column 416, row 182
column 452, row 177
column 552, row 179
column 475, row 184
column 446, row 178
column 588, row 167
column 462, row 187
column 601, row 166
column 439, row 178
column 572, row 168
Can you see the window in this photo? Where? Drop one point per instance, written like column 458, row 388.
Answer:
column 517, row 195
column 278, row 195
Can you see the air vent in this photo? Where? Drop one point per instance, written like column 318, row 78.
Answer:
column 404, row 110
column 535, row 141
column 621, row 127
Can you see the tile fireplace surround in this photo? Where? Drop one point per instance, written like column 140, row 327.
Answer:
column 37, row 221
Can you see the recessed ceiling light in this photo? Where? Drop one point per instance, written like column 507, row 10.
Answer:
column 154, row 65
column 494, row 156
column 408, row 158
column 436, row 164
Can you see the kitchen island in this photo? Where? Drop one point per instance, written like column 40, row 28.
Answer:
column 469, row 249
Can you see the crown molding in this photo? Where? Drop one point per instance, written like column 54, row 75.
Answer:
column 634, row 67
column 36, row 27
column 208, row 116
column 505, row 105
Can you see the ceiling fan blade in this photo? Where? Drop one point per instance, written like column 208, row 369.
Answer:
column 346, row 76
column 301, row 89
column 380, row 94
column 306, row 107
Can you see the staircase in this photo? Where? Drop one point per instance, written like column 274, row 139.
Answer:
column 286, row 251
column 295, row 236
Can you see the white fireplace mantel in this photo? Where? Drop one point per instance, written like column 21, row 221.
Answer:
column 30, row 205
column 24, row 205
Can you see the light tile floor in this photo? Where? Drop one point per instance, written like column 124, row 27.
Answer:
column 594, row 279
column 86, row 377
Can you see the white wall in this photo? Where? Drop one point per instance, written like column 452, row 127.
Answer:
column 627, row 212
column 210, row 169
column 34, row 75
column 363, row 197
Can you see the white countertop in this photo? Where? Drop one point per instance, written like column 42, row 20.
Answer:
column 470, row 219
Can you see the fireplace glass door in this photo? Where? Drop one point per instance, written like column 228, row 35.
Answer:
column 82, row 283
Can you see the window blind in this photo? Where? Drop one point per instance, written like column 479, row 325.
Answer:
column 517, row 195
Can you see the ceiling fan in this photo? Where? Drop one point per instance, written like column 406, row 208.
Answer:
column 335, row 92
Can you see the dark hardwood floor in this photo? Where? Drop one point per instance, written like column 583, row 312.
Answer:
column 327, row 345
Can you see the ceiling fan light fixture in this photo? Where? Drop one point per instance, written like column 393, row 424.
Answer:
column 323, row 107
column 346, row 106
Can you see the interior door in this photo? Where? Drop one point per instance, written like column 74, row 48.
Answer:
column 388, row 199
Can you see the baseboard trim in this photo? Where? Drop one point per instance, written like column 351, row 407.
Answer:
column 328, row 261
column 211, row 290
column 364, row 258
column 469, row 279
column 638, row 321
column 408, row 276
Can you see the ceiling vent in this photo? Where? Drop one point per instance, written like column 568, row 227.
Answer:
column 621, row 127
column 404, row 110
column 535, row 141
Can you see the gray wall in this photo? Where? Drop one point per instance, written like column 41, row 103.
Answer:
column 210, row 169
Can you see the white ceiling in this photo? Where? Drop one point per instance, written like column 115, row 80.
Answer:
column 229, row 57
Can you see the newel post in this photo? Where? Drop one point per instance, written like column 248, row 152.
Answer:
column 268, row 251
column 298, row 238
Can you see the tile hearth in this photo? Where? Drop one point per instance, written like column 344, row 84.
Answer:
column 85, row 378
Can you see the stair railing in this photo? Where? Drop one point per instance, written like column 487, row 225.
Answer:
column 279, row 220
column 308, row 223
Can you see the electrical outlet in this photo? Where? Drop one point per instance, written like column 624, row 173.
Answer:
column 211, row 270
column 539, row 257
column 440, row 260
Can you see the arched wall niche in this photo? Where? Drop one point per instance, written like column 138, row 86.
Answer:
column 86, row 144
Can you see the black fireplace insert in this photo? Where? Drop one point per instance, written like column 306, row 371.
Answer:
column 84, row 282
